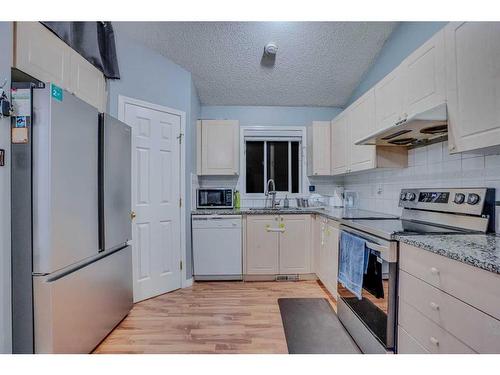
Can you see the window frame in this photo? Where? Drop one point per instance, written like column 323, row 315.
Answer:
column 275, row 133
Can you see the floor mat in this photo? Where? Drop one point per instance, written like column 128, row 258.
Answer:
column 312, row 327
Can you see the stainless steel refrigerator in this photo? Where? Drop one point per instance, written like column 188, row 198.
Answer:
column 71, row 197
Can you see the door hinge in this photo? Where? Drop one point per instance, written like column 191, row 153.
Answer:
column 179, row 137
column 180, row 202
column 181, row 265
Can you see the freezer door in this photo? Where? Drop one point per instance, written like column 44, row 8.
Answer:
column 116, row 177
column 65, row 180
column 74, row 312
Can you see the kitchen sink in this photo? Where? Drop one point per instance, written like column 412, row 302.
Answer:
column 275, row 209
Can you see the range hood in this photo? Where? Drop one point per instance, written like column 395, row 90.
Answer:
column 422, row 128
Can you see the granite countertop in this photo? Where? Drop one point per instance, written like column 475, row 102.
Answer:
column 336, row 213
column 478, row 250
column 328, row 212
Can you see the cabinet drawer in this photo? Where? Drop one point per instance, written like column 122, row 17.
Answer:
column 472, row 285
column 407, row 344
column 476, row 329
column 428, row 334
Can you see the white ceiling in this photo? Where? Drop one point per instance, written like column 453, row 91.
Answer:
column 317, row 64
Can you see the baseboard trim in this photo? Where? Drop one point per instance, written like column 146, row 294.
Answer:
column 302, row 277
column 188, row 282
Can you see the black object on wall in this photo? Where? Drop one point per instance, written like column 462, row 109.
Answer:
column 95, row 41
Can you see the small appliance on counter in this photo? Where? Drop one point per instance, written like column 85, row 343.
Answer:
column 337, row 199
column 215, row 198
column 350, row 199
column 317, row 200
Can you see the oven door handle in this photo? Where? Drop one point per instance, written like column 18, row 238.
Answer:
column 376, row 247
column 388, row 251
column 388, row 254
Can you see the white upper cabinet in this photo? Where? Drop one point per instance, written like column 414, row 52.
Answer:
column 473, row 84
column 357, row 121
column 339, row 144
column 361, row 121
column 424, row 82
column 389, row 99
column 41, row 54
column 87, row 82
column 418, row 84
column 318, row 149
column 218, row 147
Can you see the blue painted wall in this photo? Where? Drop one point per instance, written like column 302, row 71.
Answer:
column 148, row 76
column 6, row 38
column 405, row 39
column 255, row 115
column 195, row 113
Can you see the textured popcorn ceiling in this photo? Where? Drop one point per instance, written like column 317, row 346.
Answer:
column 317, row 64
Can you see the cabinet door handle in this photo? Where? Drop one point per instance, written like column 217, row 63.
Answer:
column 434, row 271
column 280, row 230
column 434, row 306
column 434, row 341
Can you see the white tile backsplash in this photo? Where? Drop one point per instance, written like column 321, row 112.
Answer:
column 430, row 166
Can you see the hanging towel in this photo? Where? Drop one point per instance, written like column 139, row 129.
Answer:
column 372, row 281
column 353, row 262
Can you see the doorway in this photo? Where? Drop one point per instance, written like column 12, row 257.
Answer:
column 158, row 243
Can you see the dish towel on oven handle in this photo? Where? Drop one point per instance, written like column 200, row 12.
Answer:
column 353, row 262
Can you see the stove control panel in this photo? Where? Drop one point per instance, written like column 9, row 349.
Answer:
column 469, row 201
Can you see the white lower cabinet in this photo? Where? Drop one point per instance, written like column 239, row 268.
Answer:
column 408, row 344
column 330, row 256
column 262, row 245
column 317, row 241
column 278, row 244
column 326, row 254
column 295, row 244
column 446, row 306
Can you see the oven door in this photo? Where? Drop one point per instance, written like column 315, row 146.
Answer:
column 376, row 311
column 215, row 198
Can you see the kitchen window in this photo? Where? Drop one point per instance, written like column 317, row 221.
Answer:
column 275, row 159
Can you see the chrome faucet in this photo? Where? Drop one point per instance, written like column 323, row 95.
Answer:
column 272, row 193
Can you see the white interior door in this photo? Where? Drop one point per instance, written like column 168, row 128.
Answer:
column 155, row 200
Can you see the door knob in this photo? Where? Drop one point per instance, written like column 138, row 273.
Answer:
column 133, row 215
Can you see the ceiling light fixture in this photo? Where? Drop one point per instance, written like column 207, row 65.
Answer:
column 270, row 48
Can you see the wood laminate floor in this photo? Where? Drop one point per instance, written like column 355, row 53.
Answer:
column 210, row 317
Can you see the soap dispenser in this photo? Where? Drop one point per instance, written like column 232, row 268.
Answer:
column 286, row 202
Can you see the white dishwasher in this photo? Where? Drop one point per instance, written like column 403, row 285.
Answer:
column 217, row 248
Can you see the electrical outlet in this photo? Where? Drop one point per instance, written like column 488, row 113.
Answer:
column 380, row 189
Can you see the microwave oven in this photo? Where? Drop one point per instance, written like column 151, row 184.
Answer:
column 215, row 198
